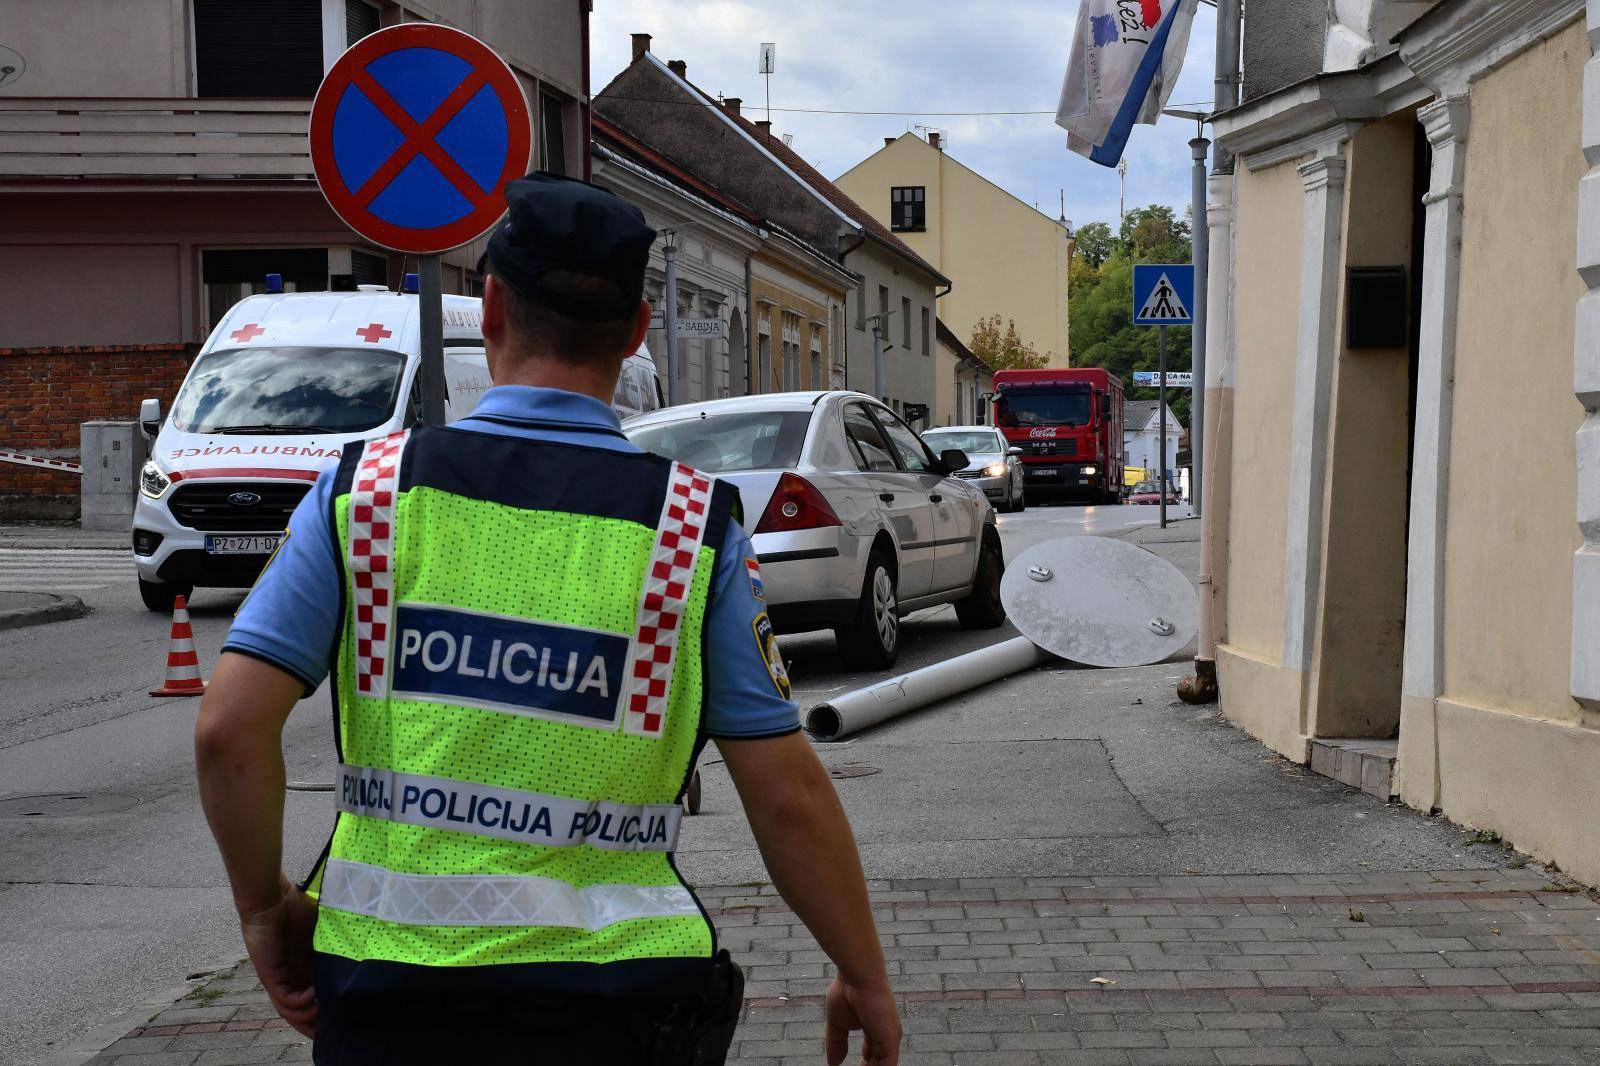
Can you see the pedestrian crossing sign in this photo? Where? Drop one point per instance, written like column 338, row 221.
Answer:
column 1163, row 294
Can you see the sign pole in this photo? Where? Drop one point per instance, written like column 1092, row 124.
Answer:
column 430, row 307
column 1161, row 485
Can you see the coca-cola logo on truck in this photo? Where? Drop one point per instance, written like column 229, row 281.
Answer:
column 1043, row 431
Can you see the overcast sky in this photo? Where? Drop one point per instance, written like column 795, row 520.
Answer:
column 932, row 56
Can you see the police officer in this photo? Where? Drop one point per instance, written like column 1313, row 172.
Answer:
column 532, row 627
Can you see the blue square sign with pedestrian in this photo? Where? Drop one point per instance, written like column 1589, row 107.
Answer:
column 1163, row 294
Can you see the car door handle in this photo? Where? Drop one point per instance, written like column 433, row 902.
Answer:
column 886, row 497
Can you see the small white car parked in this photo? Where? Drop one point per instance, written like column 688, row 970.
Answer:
column 855, row 521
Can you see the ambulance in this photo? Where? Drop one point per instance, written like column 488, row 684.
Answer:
column 282, row 385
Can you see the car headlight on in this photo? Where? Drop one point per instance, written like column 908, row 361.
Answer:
column 1090, row 471
column 994, row 470
column 152, row 481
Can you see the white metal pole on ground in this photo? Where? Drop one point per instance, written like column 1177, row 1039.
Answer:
column 669, row 316
column 865, row 707
column 430, row 307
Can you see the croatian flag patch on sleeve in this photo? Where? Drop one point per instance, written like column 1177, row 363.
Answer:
column 757, row 589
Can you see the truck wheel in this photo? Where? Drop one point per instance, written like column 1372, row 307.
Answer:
column 872, row 639
column 981, row 608
column 160, row 596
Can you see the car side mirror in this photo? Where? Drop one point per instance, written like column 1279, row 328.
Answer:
column 953, row 459
column 150, row 417
column 1013, row 450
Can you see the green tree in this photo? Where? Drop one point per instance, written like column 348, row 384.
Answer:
column 1100, row 305
column 1004, row 349
column 1095, row 244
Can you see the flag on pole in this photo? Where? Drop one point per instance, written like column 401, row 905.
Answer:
column 1125, row 60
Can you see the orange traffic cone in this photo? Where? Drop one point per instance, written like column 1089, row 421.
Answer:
column 183, row 665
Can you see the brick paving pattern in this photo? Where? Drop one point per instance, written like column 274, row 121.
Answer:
column 1460, row 967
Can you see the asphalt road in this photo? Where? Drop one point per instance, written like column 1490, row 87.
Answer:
column 112, row 889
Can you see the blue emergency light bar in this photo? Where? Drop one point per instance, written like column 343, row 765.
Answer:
column 274, row 282
column 410, row 284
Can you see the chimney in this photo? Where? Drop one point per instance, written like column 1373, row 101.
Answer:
column 641, row 44
column 765, row 126
column 731, row 104
column 679, row 67
column 933, row 140
column 887, row 141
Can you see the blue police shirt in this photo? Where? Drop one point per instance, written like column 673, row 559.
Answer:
column 289, row 619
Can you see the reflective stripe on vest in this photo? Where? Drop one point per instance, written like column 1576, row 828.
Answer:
column 372, row 557
column 666, row 592
column 471, row 899
column 506, row 813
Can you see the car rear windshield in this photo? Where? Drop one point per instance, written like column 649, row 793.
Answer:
column 1025, row 407
column 728, row 441
column 290, row 390
column 973, row 442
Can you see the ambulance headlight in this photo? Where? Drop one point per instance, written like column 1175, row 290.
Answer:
column 152, row 482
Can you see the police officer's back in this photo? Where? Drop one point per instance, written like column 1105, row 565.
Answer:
column 531, row 627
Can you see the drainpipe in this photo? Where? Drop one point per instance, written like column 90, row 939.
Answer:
column 1217, row 429
column 861, row 238
column 749, row 325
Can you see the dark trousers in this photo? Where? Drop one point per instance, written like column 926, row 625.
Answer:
column 410, row 1030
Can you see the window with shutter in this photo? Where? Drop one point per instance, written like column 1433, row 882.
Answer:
column 360, row 19
column 250, row 49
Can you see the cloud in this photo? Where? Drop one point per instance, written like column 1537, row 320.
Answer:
column 940, row 55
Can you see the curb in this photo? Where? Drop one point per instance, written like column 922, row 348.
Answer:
column 105, row 1034
column 54, row 609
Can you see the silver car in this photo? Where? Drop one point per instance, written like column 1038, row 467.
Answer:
column 855, row 521
column 992, row 464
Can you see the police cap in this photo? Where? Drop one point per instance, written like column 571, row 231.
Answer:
column 556, row 223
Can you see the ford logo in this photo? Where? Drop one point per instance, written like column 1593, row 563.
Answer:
column 244, row 499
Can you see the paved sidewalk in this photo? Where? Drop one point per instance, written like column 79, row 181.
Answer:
column 1459, row 967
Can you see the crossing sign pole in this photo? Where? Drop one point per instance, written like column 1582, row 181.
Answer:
column 415, row 132
column 1163, row 295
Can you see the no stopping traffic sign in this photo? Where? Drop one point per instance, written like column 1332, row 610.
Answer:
column 414, row 134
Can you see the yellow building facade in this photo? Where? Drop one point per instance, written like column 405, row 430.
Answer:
column 1004, row 257
column 1399, row 594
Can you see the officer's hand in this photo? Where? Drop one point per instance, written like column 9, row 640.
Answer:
column 870, row 1008
column 278, row 938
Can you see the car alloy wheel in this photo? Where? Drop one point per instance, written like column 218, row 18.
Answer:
column 884, row 609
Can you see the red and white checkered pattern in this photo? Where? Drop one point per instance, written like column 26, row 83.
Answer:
column 666, row 596
column 371, row 558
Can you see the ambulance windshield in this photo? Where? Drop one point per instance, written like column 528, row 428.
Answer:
column 290, row 390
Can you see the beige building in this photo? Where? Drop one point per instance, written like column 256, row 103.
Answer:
column 1003, row 256
column 963, row 383
column 1398, row 436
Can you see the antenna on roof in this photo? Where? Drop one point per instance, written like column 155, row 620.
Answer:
column 769, row 61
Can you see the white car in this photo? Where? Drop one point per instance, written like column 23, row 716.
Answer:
column 993, row 464
column 854, row 520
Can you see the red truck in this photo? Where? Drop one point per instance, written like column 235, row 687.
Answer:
column 1068, row 424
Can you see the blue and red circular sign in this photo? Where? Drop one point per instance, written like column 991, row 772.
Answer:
column 414, row 134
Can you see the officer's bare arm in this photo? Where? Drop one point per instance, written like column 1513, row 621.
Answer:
column 808, row 847
column 239, row 758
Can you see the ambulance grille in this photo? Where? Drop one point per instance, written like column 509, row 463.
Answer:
column 206, row 506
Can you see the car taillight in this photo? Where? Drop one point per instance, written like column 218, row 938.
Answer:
column 796, row 504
